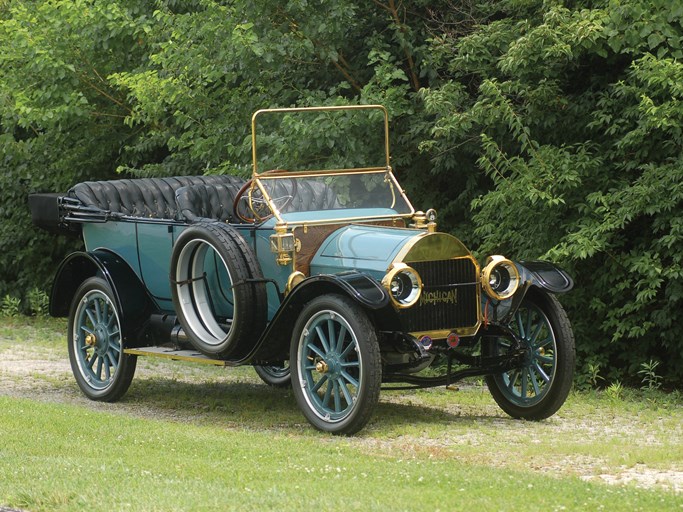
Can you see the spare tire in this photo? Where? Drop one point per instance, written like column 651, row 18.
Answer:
column 218, row 290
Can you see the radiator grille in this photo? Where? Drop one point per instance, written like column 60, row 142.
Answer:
column 449, row 296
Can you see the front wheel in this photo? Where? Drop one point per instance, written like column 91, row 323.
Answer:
column 101, row 368
column 538, row 388
column 336, row 366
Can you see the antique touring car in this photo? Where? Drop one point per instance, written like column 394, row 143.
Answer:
column 325, row 280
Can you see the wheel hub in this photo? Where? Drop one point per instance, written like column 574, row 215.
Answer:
column 331, row 364
column 321, row 367
column 101, row 336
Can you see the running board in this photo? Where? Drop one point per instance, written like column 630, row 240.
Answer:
column 176, row 355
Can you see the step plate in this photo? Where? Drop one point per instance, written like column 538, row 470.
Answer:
column 176, row 355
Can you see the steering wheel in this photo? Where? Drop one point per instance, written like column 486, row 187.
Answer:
column 257, row 204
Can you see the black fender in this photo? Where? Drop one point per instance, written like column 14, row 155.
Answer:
column 545, row 275
column 132, row 301
column 368, row 292
column 542, row 275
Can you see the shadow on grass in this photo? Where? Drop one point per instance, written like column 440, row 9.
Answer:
column 258, row 406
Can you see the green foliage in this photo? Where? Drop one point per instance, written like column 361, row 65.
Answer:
column 537, row 129
column 648, row 372
column 10, row 307
column 615, row 391
column 38, row 302
column 588, row 377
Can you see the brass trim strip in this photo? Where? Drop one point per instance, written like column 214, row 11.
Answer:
column 279, row 174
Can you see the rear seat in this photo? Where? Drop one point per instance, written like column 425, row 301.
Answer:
column 147, row 197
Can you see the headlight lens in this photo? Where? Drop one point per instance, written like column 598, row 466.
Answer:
column 404, row 285
column 500, row 278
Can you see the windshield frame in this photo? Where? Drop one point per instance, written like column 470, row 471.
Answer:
column 259, row 177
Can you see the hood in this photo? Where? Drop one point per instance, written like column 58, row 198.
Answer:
column 372, row 249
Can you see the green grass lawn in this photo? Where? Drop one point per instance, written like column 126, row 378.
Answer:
column 189, row 437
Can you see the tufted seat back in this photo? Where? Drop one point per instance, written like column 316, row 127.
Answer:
column 214, row 202
column 143, row 197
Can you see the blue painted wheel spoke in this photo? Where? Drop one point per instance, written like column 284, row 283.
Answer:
column 318, row 384
column 100, row 364
column 349, row 347
column 331, row 334
column 347, row 394
column 337, row 396
column 107, row 367
column 520, row 325
column 86, row 329
column 534, row 383
column 541, row 372
column 350, row 379
column 340, row 339
column 322, row 338
column 91, row 362
column 513, row 381
column 98, row 311
column 536, row 332
column 113, row 360
column 524, row 382
column 316, row 350
column 91, row 317
column 328, row 393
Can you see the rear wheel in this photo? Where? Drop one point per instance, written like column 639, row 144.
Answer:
column 101, row 368
column 276, row 375
column 336, row 367
column 539, row 388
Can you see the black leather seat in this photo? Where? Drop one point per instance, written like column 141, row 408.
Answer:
column 144, row 197
column 214, row 202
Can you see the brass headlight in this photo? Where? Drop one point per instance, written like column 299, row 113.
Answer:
column 499, row 278
column 404, row 285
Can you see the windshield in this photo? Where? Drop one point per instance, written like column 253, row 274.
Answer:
column 317, row 138
column 311, row 198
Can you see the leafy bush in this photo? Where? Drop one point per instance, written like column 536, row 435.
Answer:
column 11, row 306
column 38, row 302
